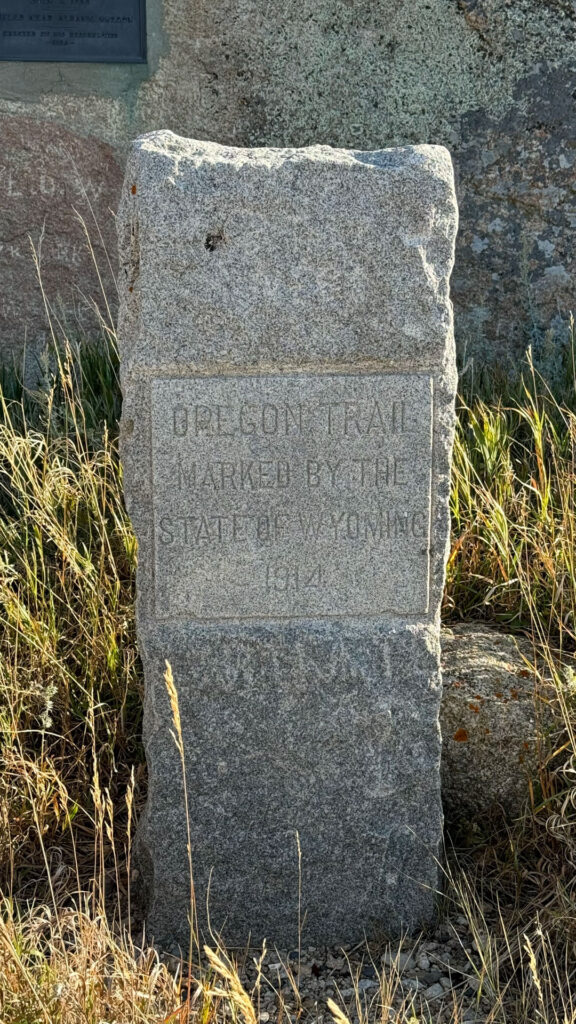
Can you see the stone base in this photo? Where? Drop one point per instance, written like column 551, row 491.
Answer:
column 294, row 737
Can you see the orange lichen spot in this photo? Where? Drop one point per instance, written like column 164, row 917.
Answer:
column 460, row 736
column 524, row 673
column 130, row 289
column 457, row 684
column 514, row 694
column 486, row 732
column 499, row 695
column 475, row 708
column 133, row 190
column 526, row 745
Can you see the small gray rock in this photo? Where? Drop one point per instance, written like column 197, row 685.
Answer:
column 369, row 971
column 348, row 993
column 364, row 984
column 434, row 992
column 432, row 976
column 396, row 958
column 414, row 984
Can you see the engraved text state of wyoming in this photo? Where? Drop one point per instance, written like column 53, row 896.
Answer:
column 292, row 495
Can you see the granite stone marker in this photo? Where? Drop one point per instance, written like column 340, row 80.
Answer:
column 289, row 380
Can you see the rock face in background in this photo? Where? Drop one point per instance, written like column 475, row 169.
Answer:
column 491, row 79
column 288, row 372
column 490, row 709
column 51, row 179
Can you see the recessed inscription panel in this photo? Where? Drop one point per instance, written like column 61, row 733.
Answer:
column 292, row 495
column 102, row 31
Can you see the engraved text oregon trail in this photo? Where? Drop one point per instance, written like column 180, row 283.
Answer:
column 292, row 495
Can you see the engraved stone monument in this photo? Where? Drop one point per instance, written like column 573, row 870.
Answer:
column 289, row 380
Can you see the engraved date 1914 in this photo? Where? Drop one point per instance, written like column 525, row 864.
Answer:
column 281, row 577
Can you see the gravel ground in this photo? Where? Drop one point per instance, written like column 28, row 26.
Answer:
column 434, row 973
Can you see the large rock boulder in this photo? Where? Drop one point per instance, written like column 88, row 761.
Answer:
column 491, row 718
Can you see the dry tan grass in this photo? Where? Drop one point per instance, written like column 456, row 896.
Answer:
column 71, row 764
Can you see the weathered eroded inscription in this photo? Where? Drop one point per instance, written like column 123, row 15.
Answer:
column 292, row 495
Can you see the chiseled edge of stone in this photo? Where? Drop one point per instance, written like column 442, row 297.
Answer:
column 162, row 158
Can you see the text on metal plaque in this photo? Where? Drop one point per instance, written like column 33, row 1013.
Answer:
column 102, row 31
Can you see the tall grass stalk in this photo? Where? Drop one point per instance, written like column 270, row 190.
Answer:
column 70, row 690
column 178, row 738
column 513, row 559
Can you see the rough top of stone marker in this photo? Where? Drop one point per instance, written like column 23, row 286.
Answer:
column 263, row 257
column 435, row 158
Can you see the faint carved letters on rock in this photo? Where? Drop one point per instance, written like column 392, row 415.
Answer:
column 292, row 495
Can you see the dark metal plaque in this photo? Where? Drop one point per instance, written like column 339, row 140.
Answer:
column 101, row 31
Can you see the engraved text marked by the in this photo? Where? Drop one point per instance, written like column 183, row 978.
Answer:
column 292, row 495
